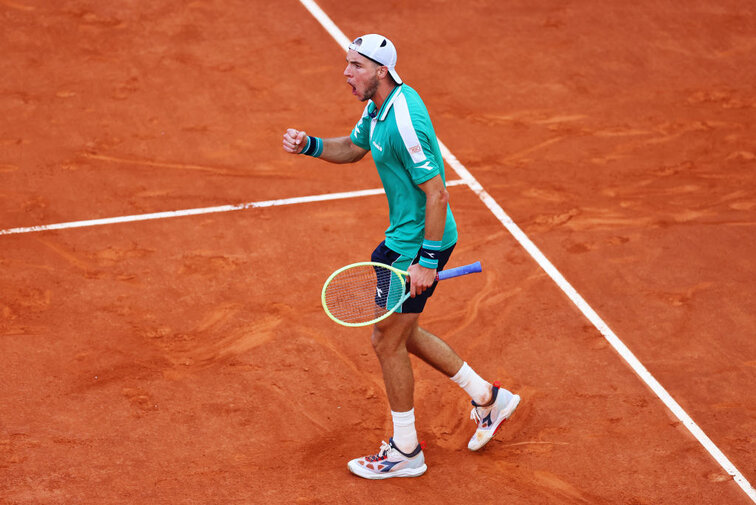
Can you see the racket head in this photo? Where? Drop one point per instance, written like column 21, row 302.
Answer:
column 364, row 293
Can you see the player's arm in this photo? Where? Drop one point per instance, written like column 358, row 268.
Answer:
column 335, row 150
column 436, row 200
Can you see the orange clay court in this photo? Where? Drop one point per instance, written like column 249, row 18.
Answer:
column 186, row 359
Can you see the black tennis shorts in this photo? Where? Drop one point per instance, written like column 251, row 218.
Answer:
column 383, row 254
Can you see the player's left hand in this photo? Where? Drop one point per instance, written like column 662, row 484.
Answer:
column 421, row 278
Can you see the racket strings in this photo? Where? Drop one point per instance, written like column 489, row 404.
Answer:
column 363, row 293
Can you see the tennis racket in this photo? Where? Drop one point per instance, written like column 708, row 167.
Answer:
column 367, row 292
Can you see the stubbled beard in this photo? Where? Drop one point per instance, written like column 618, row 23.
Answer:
column 371, row 89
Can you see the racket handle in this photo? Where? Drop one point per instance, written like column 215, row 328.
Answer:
column 457, row 271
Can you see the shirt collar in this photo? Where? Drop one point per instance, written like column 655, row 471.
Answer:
column 381, row 114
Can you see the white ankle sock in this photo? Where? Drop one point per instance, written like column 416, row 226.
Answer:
column 405, row 436
column 478, row 389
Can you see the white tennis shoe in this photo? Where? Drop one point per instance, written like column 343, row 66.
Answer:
column 490, row 417
column 390, row 462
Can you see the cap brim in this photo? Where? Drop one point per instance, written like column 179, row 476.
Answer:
column 395, row 76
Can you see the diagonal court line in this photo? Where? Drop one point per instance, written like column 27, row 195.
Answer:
column 566, row 287
column 600, row 325
column 205, row 210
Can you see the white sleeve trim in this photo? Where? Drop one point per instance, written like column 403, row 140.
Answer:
column 407, row 130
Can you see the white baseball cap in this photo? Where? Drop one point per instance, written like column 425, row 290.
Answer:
column 379, row 49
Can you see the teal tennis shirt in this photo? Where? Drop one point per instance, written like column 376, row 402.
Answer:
column 405, row 150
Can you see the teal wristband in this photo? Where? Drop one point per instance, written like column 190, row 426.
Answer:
column 429, row 253
column 314, row 147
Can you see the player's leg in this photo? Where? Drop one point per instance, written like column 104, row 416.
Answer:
column 442, row 357
column 389, row 341
column 434, row 351
column 402, row 456
column 492, row 405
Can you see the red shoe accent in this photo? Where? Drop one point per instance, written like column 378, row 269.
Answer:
column 497, row 384
column 422, row 444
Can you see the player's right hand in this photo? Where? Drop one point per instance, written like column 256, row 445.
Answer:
column 294, row 141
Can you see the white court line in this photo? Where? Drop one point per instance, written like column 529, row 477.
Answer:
column 204, row 210
column 565, row 286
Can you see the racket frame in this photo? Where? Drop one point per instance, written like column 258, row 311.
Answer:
column 444, row 274
column 400, row 273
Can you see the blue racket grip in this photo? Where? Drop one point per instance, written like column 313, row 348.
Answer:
column 457, row 271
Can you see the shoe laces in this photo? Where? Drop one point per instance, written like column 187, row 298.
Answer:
column 382, row 453
column 485, row 410
column 478, row 416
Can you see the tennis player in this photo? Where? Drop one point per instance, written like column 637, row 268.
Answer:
column 396, row 128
